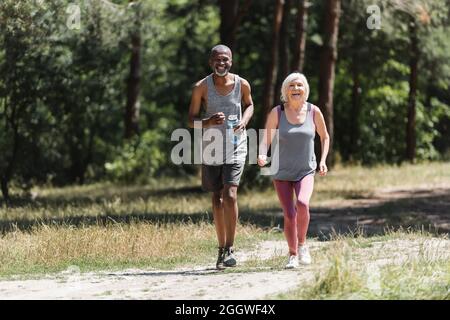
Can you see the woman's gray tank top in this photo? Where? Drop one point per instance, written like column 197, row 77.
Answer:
column 296, row 147
column 229, row 104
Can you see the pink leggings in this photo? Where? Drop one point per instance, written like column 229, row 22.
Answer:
column 296, row 215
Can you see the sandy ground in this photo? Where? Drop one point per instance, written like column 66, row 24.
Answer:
column 204, row 282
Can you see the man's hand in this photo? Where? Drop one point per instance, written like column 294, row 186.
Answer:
column 240, row 126
column 216, row 119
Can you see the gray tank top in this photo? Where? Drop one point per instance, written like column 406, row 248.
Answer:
column 229, row 104
column 296, row 147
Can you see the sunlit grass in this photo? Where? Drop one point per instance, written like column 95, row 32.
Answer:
column 184, row 196
column 397, row 265
column 48, row 248
column 355, row 182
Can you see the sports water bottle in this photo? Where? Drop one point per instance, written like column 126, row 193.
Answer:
column 231, row 123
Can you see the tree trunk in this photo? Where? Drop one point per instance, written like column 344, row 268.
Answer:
column 300, row 38
column 231, row 15
column 8, row 173
column 228, row 12
column 133, row 81
column 413, row 65
column 356, row 94
column 327, row 65
column 284, row 50
column 284, row 43
column 271, row 75
column 5, row 188
column 11, row 162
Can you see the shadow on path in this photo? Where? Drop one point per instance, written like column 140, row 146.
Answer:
column 416, row 208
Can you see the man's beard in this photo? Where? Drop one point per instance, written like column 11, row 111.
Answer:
column 223, row 74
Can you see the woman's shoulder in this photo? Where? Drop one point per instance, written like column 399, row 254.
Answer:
column 276, row 111
column 315, row 109
column 313, row 106
column 277, row 107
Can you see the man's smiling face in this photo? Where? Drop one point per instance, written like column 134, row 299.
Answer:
column 221, row 63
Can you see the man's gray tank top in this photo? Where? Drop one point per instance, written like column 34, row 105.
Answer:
column 296, row 147
column 229, row 104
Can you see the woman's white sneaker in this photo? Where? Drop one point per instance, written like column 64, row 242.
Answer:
column 292, row 263
column 303, row 255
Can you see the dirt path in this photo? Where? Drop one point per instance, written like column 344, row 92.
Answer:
column 205, row 282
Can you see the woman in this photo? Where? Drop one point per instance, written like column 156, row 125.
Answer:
column 297, row 121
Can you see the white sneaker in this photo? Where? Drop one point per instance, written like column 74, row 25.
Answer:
column 303, row 254
column 292, row 263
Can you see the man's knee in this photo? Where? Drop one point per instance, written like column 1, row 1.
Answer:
column 230, row 193
column 217, row 198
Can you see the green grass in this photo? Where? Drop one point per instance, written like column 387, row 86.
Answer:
column 168, row 224
column 398, row 265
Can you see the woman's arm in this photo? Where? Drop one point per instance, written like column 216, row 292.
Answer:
column 321, row 129
column 269, row 133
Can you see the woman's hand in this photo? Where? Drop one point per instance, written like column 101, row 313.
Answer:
column 323, row 169
column 262, row 160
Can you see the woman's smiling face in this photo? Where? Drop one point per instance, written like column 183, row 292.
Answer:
column 296, row 90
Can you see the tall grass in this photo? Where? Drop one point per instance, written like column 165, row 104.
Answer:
column 398, row 265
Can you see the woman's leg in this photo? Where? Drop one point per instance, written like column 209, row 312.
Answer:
column 303, row 191
column 285, row 195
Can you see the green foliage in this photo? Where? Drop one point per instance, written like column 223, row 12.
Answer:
column 139, row 159
column 63, row 91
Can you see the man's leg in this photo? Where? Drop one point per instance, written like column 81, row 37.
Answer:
column 231, row 177
column 212, row 181
column 219, row 219
column 230, row 207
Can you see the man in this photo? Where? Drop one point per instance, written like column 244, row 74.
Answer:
column 223, row 94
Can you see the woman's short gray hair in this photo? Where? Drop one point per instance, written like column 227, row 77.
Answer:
column 294, row 76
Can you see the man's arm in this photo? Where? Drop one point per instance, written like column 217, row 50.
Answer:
column 248, row 104
column 194, row 109
column 196, row 102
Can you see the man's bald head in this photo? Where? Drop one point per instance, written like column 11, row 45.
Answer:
column 220, row 48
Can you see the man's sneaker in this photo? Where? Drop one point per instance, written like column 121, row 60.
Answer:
column 303, row 254
column 229, row 259
column 220, row 257
column 292, row 263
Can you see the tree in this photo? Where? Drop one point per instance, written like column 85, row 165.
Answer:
column 271, row 75
column 22, row 40
column 300, row 39
column 133, row 81
column 419, row 14
column 413, row 66
column 284, row 49
column 327, row 65
column 231, row 15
